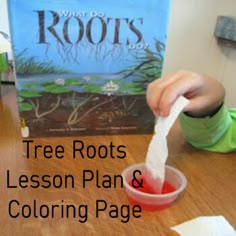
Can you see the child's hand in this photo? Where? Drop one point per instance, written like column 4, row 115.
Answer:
column 205, row 94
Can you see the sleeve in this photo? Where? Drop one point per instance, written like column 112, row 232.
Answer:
column 216, row 133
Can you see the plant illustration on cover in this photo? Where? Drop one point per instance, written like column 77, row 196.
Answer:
column 83, row 68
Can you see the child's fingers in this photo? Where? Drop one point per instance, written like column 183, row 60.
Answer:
column 155, row 90
column 182, row 86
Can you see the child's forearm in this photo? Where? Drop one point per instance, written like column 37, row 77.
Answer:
column 216, row 133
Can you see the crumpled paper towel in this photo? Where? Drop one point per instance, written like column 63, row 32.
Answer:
column 5, row 45
column 205, row 226
column 158, row 151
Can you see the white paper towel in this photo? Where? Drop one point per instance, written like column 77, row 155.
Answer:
column 158, row 151
column 205, row 226
column 5, row 45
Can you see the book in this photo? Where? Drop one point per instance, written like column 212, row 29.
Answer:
column 82, row 68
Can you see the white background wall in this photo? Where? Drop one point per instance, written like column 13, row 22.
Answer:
column 191, row 43
column 4, row 25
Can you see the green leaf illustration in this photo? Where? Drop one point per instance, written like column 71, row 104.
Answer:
column 29, row 93
column 92, row 88
column 73, row 81
column 24, row 106
column 56, row 89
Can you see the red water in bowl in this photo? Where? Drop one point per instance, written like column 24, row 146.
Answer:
column 146, row 188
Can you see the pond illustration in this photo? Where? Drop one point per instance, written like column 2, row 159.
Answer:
column 88, row 103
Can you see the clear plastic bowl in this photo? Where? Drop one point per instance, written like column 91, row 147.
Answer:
column 149, row 201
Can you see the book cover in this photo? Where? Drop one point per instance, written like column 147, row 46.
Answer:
column 82, row 67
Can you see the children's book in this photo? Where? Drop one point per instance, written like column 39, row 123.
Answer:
column 82, row 67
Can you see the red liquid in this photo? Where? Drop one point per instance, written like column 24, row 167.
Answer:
column 146, row 188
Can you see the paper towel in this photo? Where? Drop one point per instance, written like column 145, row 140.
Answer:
column 158, row 151
column 5, row 45
column 205, row 226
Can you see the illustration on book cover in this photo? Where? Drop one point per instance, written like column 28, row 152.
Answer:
column 82, row 68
